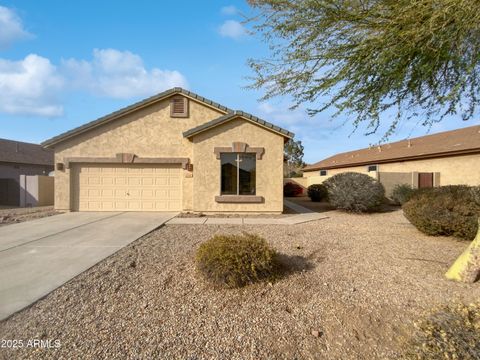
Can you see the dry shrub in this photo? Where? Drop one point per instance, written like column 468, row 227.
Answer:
column 317, row 192
column 447, row 210
column 401, row 193
column 355, row 192
column 450, row 332
column 237, row 260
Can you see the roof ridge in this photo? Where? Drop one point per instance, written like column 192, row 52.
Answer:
column 426, row 144
column 125, row 110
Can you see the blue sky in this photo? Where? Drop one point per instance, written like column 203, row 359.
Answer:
column 64, row 63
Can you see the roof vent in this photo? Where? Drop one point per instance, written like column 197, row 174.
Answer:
column 409, row 143
column 179, row 106
column 379, row 148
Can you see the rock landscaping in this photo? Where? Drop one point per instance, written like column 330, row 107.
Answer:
column 16, row 215
column 360, row 283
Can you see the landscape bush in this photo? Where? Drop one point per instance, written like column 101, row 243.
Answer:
column 447, row 210
column 291, row 189
column 317, row 192
column 449, row 332
column 237, row 260
column 401, row 193
column 355, row 192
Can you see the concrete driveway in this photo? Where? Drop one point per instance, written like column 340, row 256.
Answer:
column 40, row 255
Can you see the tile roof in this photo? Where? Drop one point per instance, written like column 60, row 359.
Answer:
column 460, row 141
column 115, row 115
column 235, row 114
column 24, row 153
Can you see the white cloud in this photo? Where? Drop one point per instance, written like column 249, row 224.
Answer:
column 229, row 10
column 30, row 87
column 11, row 27
column 281, row 114
column 232, row 29
column 119, row 74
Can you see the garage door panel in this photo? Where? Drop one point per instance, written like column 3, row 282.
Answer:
column 132, row 187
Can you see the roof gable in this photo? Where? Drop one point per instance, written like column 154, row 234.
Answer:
column 129, row 109
column 235, row 115
column 460, row 141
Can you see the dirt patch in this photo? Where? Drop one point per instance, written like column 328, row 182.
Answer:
column 312, row 205
column 17, row 215
column 286, row 211
column 369, row 276
column 325, row 206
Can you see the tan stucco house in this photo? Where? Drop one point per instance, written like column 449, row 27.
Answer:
column 446, row 158
column 175, row 151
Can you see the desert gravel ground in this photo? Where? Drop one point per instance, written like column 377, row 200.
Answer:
column 360, row 280
column 9, row 215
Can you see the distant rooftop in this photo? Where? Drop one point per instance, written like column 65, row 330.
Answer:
column 24, row 153
column 454, row 142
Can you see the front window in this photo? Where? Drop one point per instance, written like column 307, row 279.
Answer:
column 238, row 173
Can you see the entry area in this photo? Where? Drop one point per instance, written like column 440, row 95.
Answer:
column 126, row 187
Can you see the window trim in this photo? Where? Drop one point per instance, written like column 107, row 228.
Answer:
column 238, row 176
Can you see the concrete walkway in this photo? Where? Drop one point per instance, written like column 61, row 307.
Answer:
column 304, row 215
column 40, row 255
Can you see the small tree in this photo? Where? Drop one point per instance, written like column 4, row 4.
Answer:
column 367, row 58
column 293, row 153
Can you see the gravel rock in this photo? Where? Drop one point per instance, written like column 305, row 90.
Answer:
column 16, row 215
column 397, row 273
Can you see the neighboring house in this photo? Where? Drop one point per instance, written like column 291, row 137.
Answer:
column 446, row 158
column 20, row 158
column 175, row 151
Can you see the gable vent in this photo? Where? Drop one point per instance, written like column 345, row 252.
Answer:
column 179, row 106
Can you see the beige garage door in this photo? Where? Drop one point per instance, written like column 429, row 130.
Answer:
column 132, row 187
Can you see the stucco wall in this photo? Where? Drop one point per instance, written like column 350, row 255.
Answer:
column 269, row 170
column 149, row 132
column 454, row 170
column 314, row 177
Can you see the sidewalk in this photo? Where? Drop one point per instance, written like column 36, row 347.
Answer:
column 304, row 215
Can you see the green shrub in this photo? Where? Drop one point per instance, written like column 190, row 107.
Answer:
column 291, row 189
column 447, row 210
column 450, row 332
column 355, row 192
column 237, row 260
column 317, row 192
column 401, row 193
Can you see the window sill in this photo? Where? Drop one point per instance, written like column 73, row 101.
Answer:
column 236, row 199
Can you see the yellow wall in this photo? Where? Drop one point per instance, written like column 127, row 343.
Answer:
column 269, row 174
column 453, row 170
column 151, row 132
column 314, row 177
column 148, row 132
